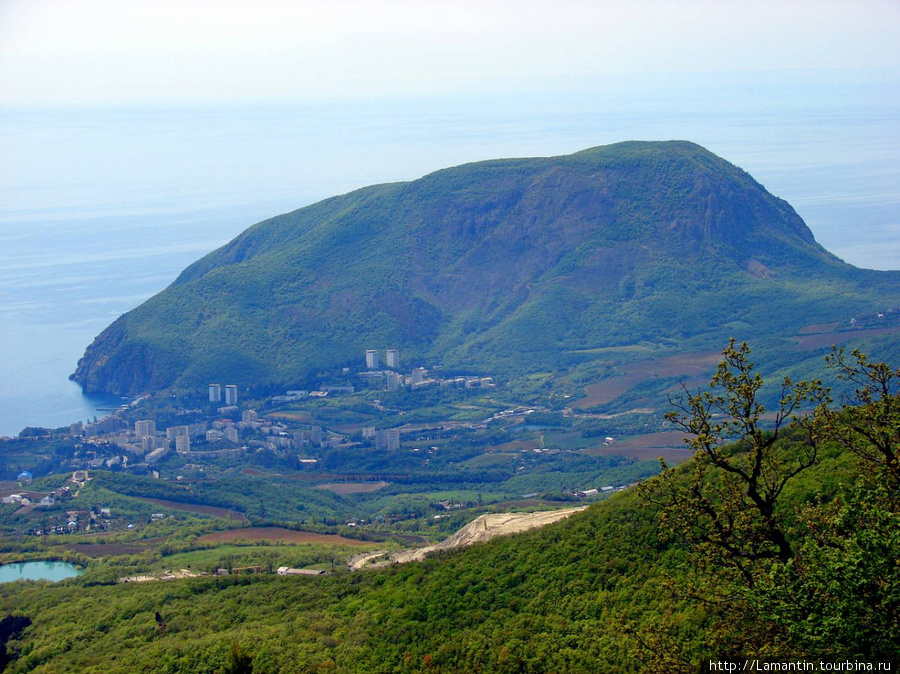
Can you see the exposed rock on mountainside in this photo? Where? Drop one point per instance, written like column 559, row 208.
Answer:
column 479, row 530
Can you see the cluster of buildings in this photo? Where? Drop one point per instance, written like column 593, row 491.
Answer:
column 231, row 394
column 587, row 493
column 83, row 520
column 391, row 359
column 28, row 499
column 111, row 443
column 388, row 378
column 98, row 518
column 178, row 438
column 72, row 521
column 419, row 378
column 295, row 395
column 147, row 443
column 386, row 438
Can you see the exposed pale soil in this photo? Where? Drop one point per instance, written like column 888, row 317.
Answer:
column 479, row 530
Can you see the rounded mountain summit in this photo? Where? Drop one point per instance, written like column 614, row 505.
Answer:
column 502, row 267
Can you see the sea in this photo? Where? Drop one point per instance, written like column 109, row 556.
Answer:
column 102, row 208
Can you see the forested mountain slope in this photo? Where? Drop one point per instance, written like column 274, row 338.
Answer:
column 576, row 596
column 503, row 266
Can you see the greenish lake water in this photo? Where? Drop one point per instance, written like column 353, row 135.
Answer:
column 52, row 571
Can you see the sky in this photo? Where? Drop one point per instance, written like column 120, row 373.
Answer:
column 121, row 52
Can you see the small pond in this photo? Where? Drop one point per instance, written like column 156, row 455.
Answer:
column 52, row 571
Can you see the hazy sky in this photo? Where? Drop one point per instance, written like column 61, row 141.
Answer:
column 88, row 52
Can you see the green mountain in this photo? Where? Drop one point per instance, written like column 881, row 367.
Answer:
column 505, row 266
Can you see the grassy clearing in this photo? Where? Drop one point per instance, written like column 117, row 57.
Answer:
column 269, row 557
column 346, row 488
column 629, row 348
column 301, row 416
column 493, row 459
column 252, row 535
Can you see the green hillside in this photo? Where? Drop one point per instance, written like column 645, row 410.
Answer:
column 507, row 266
column 642, row 582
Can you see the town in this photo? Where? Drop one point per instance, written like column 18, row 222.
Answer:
column 224, row 429
column 461, row 441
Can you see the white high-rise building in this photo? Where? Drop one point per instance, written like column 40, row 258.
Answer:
column 388, row 439
column 173, row 432
column 145, row 428
column 372, row 359
column 156, row 454
column 392, row 359
column 215, row 393
column 393, row 439
column 231, row 394
column 393, row 380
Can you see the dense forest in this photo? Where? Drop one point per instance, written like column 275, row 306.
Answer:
column 780, row 538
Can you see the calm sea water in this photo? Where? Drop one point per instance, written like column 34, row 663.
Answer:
column 101, row 209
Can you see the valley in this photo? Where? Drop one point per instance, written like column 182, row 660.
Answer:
column 374, row 457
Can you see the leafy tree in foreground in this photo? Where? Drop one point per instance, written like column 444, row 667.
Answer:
column 741, row 466
column 869, row 423
column 840, row 594
column 822, row 580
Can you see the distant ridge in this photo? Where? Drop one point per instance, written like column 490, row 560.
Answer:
column 507, row 266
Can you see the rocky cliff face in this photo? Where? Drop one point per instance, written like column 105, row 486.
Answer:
column 499, row 265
